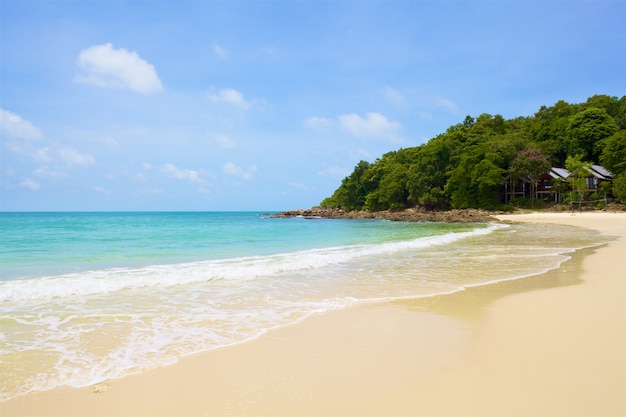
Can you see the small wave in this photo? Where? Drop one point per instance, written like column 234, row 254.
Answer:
column 244, row 268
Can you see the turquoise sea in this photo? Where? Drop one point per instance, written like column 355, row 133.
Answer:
column 86, row 297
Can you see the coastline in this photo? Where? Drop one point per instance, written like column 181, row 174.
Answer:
column 514, row 348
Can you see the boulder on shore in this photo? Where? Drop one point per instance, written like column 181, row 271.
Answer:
column 407, row 215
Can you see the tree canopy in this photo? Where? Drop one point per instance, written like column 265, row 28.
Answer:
column 464, row 166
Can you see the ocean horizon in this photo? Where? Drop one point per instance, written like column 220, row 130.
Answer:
column 91, row 296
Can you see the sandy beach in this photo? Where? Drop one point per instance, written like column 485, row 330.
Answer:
column 542, row 346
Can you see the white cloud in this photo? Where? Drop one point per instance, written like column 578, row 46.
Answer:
column 203, row 190
column 100, row 189
column 147, row 166
column 140, row 177
column 72, row 157
column 41, row 154
column 47, row 172
column 298, row 186
column 318, row 123
column 268, row 50
column 222, row 140
column 374, row 125
column 51, row 155
column 28, row 151
column 229, row 96
column 30, row 184
column 105, row 66
column 13, row 126
column 111, row 142
column 394, row 96
column 181, row 174
column 360, row 154
column 150, row 191
column 335, row 172
column 450, row 106
column 236, row 171
column 220, row 51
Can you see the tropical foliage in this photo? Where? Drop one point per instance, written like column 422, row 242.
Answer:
column 465, row 166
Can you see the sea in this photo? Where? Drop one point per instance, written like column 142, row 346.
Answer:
column 86, row 297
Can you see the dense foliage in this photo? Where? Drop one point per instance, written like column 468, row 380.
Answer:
column 465, row 166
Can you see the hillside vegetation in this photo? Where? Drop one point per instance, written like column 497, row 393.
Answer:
column 465, row 166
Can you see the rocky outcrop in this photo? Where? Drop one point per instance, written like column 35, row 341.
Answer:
column 408, row 215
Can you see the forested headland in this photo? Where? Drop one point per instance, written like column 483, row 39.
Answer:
column 465, row 167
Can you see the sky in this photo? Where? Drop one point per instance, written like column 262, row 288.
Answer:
column 268, row 105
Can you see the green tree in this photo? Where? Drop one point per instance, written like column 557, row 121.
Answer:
column 427, row 172
column 619, row 187
column 587, row 130
column 613, row 155
column 616, row 108
column 577, row 179
column 391, row 192
column 549, row 129
column 475, row 179
column 529, row 164
column 486, row 175
column 353, row 190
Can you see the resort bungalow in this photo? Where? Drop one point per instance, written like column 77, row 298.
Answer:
column 596, row 175
column 551, row 183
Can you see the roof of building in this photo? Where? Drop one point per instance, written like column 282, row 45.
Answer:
column 597, row 171
column 602, row 171
column 560, row 173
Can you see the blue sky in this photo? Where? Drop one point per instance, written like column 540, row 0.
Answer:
column 267, row 105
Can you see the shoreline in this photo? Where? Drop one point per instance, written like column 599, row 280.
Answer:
column 419, row 214
column 515, row 347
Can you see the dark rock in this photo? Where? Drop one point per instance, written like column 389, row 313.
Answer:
column 407, row 215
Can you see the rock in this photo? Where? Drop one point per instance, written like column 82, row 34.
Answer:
column 407, row 215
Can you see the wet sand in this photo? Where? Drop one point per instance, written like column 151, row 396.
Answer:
column 547, row 345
